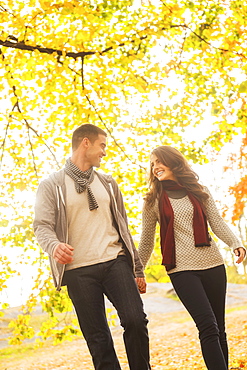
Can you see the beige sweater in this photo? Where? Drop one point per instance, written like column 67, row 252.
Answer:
column 188, row 257
column 91, row 233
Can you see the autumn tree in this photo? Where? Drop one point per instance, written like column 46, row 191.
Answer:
column 148, row 72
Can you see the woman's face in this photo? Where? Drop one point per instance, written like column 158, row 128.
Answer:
column 160, row 170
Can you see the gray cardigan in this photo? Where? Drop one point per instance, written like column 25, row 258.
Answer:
column 50, row 221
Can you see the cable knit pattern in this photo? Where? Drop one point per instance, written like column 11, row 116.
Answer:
column 188, row 257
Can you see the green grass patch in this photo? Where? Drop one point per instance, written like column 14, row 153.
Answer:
column 17, row 351
column 235, row 308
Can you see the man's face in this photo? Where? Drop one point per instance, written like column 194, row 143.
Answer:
column 96, row 151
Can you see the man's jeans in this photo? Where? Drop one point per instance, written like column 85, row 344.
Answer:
column 86, row 287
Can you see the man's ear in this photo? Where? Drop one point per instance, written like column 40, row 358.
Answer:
column 85, row 142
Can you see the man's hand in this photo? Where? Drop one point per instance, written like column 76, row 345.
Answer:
column 141, row 283
column 63, row 253
column 240, row 253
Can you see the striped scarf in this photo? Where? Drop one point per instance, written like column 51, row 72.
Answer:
column 82, row 180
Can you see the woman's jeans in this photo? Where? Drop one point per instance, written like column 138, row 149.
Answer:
column 203, row 294
column 86, row 287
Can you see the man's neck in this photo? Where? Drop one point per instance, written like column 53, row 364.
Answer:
column 82, row 165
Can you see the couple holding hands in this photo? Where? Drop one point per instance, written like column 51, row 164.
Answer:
column 80, row 221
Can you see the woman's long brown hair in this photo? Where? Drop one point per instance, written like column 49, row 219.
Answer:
column 173, row 159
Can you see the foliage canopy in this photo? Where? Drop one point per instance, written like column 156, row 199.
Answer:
column 145, row 71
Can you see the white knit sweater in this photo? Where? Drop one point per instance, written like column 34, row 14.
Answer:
column 188, row 257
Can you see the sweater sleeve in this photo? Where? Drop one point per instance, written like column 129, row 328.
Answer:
column 218, row 225
column 45, row 218
column 149, row 221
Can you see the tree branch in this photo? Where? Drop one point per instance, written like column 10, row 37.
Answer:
column 16, row 105
column 82, row 73
column 206, row 42
column 101, row 119
column 23, row 46
column 29, row 127
column 3, row 144
column 31, row 146
column 82, row 54
column 110, row 133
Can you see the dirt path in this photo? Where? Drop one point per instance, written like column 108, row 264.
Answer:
column 173, row 342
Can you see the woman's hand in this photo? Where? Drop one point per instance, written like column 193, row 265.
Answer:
column 240, row 253
column 141, row 283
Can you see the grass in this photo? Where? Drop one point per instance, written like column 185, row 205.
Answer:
column 18, row 351
column 235, row 308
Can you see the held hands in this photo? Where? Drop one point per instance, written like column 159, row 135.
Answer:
column 141, row 284
column 63, row 253
column 240, row 253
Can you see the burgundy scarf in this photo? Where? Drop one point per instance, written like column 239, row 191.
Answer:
column 167, row 241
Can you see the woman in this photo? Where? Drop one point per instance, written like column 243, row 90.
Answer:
column 184, row 208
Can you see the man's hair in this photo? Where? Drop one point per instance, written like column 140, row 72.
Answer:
column 90, row 131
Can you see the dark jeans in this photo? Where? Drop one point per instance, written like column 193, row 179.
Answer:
column 203, row 294
column 86, row 288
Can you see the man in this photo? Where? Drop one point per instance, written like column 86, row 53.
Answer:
column 80, row 221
